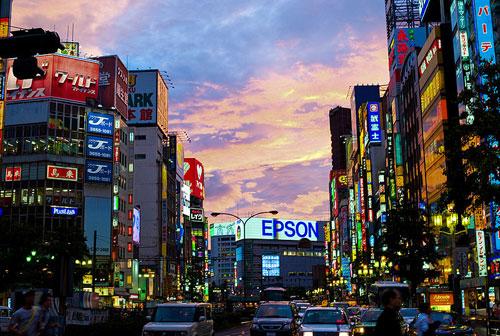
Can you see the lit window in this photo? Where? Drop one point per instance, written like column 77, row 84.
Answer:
column 129, row 279
column 129, row 263
column 131, row 136
column 129, row 247
column 130, row 215
column 130, row 199
column 129, row 230
column 130, row 167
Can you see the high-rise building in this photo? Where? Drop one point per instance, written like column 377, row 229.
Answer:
column 223, row 254
column 340, row 126
column 147, row 121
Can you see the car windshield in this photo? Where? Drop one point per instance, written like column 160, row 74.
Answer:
column 276, row 311
column 409, row 312
column 371, row 315
column 444, row 318
column 174, row 314
column 353, row 311
column 302, row 307
column 324, row 317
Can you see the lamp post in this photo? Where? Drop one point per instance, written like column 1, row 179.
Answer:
column 244, row 222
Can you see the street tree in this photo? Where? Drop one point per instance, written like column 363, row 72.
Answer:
column 408, row 241
column 477, row 135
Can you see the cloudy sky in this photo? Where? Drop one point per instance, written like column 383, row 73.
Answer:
column 254, row 81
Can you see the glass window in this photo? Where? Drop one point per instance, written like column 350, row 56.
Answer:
column 277, row 311
column 324, row 316
column 140, row 156
column 435, row 177
column 174, row 314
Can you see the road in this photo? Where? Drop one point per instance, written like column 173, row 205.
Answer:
column 242, row 330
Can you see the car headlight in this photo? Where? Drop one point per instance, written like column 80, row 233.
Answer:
column 343, row 333
column 183, row 333
column 147, row 333
column 286, row 326
column 307, row 333
column 254, row 326
column 360, row 330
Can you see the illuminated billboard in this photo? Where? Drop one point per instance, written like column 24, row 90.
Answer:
column 136, row 226
column 279, row 229
column 100, row 123
column 113, row 84
column 194, row 177
column 64, row 77
column 143, row 97
column 270, row 265
column 98, row 147
column 98, row 171
column 374, row 125
column 222, row 229
column 484, row 30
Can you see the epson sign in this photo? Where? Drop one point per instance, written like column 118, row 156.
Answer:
column 279, row 229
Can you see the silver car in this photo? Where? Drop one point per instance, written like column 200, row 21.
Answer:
column 319, row 321
column 181, row 319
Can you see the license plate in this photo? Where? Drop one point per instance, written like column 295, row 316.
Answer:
column 271, row 334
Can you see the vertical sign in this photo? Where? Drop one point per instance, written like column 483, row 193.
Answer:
column 5, row 13
column 484, row 30
column 374, row 130
column 481, row 253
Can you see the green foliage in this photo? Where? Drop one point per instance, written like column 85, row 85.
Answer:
column 30, row 259
column 409, row 242
column 476, row 151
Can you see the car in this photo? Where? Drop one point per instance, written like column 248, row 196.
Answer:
column 448, row 325
column 180, row 319
column 354, row 313
column 367, row 322
column 275, row 319
column 302, row 307
column 343, row 305
column 5, row 313
column 409, row 314
column 325, row 321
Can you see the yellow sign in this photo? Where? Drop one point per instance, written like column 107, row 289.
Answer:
column 4, row 27
column 324, row 303
column 2, row 107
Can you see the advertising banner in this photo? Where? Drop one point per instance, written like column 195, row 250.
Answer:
column 374, row 126
column 401, row 43
column 65, row 77
column 12, row 174
column 136, row 226
column 186, row 199
column 62, row 173
column 100, row 123
column 484, row 30
column 63, row 211
column 98, row 147
column 98, row 171
column 194, row 176
column 197, row 215
column 113, row 84
column 142, row 97
column 222, row 229
column 280, row 229
column 481, row 253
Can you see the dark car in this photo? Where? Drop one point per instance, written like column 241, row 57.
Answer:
column 448, row 325
column 275, row 319
column 367, row 322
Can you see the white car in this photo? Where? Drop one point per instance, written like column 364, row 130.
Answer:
column 5, row 314
column 325, row 321
column 302, row 307
column 180, row 319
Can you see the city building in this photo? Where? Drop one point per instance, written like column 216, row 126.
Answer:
column 340, row 126
column 223, row 254
column 147, row 121
column 279, row 252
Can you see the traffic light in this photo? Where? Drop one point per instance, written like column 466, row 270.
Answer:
column 25, row 44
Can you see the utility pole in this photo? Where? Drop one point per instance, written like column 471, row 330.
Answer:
column 93, row 261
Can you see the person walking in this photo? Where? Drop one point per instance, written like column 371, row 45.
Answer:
column 423, row 323
column 390, row 322
column 25, row 321
column 49, row 325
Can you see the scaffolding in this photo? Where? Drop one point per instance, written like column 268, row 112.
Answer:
column 401, row 14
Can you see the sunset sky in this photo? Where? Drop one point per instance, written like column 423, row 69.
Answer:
column 254, row 81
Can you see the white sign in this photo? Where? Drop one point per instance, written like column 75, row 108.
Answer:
column 279, row 229
column 481, row 253
column 186, row 199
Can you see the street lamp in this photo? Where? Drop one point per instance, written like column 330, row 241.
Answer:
column 244, row 222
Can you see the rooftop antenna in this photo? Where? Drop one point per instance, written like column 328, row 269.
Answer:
column 67, row 33
column 73, row 33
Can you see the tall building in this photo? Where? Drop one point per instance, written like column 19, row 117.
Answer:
column 147, row 121
column 49, row 170
column 223, row 254
column 340, row 126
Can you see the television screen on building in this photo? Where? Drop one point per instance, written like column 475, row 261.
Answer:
column 270, row 265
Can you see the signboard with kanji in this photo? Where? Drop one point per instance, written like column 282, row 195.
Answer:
column 62, row 173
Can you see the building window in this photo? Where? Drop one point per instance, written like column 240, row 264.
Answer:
column 129, row 279
column 140, row 156
column 129, row 231
column 131, row 137
column 130, row 215
column 130, row 199
column 129, row 247
column 129, row 263
column 130, row 167
column 140, row 137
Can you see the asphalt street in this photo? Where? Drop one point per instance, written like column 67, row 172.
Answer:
column 242, row 330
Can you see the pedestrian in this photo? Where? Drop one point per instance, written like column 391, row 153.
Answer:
column 49, row 324
column 25, row 321
column 496, row 310
column 423, row 323
column 390, row 322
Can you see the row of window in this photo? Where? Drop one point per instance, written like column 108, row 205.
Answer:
column 302, row 254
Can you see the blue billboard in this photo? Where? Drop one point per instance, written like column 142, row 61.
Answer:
column 100, row 123
column 484, row 30
column 98, row 147
column 63, row 211
column 374, row 128
column 98, row 171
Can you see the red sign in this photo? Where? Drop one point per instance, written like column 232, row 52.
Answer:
column 65, row 77
column 62, row 173
column 13, row 174
column 194, row 176
column 113, row 84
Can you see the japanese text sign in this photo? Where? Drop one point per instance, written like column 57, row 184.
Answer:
column 374, row 126
column 13, row 174
column 62, row 173
column 481, row 253
column 142, row 97
column 484, row 30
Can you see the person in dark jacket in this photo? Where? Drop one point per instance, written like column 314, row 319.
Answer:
column 390, row 322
